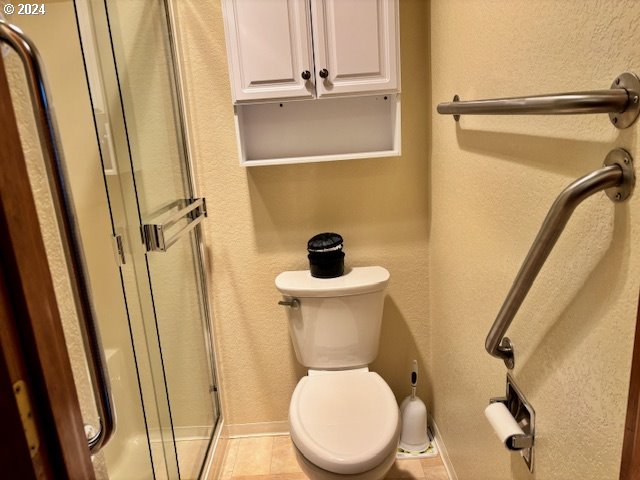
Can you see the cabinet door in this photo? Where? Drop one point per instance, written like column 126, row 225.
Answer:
column 269, row 48
column 356, row 45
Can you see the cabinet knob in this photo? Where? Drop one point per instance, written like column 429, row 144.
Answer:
column 324, row 73
column 306, row 75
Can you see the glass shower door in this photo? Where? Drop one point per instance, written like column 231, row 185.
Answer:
column 147, row 172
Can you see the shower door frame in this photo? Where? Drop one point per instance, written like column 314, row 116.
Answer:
column 172, row 31
column 217, row 446
column 198, row 232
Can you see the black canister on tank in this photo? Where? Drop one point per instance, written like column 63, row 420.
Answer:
column 326, row 258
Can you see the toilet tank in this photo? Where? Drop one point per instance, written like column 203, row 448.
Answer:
column 336, row 324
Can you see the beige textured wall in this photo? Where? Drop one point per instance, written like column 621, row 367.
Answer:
column 493, row 180
column 260, row 219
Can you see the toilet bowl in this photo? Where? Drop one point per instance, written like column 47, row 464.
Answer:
column 344, row 424
column 343, row 418
column 314, row 472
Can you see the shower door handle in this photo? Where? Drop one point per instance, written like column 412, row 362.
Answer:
column 155, row 236
column 67, row 225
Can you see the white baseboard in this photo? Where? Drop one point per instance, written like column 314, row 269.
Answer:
column 444, row 454
column 261, row 429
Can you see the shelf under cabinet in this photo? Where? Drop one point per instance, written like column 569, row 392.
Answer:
column 318, row 130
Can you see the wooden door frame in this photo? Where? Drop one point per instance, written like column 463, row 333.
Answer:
column 15, row 453
column 32, row 343
column 630, row 464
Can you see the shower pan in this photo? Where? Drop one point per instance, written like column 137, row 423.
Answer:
column 152, row 309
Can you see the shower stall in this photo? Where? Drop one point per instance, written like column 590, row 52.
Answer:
column 113, row 73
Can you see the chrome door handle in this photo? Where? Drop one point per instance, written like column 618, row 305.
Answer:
column 155, row 234
column 293, row 303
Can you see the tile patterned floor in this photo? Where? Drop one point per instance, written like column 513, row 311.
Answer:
column 273, row 458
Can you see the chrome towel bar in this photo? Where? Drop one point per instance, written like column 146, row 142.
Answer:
column 618, row 179
column 621, row 102
column 67, row 224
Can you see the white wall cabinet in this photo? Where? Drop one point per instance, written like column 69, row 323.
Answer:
column 269, row 47
column 355, row 46
column 338, row 59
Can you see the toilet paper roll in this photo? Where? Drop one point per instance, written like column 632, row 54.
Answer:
column 502, row 422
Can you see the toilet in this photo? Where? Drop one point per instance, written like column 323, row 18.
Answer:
column 343, row 418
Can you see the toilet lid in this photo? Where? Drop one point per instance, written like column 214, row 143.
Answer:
column 344, row 422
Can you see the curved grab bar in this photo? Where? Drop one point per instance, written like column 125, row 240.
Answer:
column 618, row 177
column 70, row 236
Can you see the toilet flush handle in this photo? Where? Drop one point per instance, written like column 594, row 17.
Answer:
column 293, row 303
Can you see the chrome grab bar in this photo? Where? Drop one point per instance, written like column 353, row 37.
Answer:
column 155, row 236
column 66, row 217
column 618, row 178
column 621, row 102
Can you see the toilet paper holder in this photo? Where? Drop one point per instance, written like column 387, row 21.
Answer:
column 525, row 416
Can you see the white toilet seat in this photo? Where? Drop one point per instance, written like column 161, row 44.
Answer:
column 316, row 473
column 345, row 422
